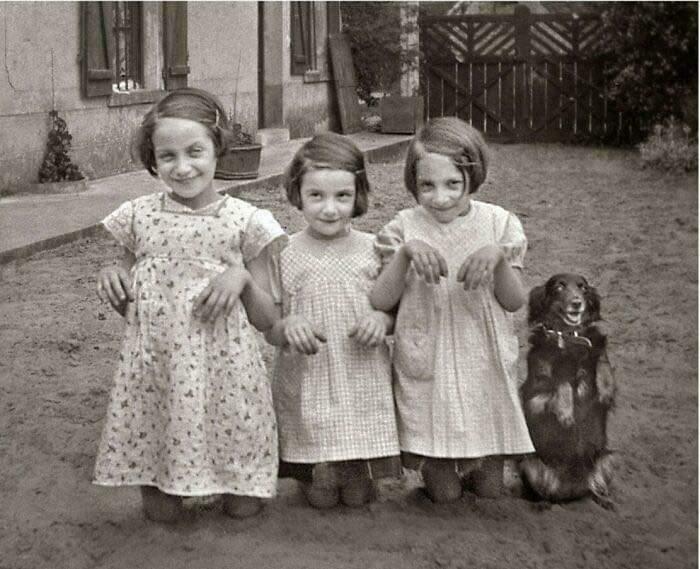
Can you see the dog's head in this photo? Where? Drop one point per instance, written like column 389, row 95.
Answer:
column 565, row 299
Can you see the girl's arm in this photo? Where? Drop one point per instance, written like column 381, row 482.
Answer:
column 508, row 287
column 490, row 262
column 390, row 285
column 114, row 283
column 250, row 284
column 295, row 331
column 371, row 329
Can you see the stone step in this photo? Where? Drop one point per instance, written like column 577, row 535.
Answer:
column 268, row 136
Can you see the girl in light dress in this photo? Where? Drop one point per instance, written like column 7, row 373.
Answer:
column 332, row 379
column 453, row 266
column 190, row 412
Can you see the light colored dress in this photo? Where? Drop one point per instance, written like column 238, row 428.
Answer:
column 456, row 351
column 336, row 404
column 191, row 407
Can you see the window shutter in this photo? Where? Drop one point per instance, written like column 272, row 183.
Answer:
column 175, row 39
column 97, row 58
column 300, row 36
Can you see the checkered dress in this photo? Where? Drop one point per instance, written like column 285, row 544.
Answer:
column 337, row 404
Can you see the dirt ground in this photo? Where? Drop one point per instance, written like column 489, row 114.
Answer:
column 633, row 233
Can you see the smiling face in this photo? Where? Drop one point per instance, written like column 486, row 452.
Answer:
column 441, row 188
column 186, row 160
column 327, row 202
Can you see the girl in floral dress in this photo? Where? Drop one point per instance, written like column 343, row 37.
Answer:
column 453, row 265
column 332, row 379
column 190, row 412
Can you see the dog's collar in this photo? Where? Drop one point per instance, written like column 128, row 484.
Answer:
column 562, row 337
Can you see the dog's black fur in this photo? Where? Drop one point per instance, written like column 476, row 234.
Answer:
column 568, row 393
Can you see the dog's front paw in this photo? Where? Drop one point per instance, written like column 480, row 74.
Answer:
column 605, row 381
column 564, row 405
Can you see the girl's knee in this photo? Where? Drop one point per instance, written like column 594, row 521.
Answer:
column 442, row 482
column 237, row 506
column 161, row 507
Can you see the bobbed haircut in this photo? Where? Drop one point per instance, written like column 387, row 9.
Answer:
column 329, row 151
column 455, row 139
column 187, row 103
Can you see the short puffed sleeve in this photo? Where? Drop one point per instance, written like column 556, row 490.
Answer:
column 513, row 241
column 120, row 223
column 389, row 240
column 261, row 230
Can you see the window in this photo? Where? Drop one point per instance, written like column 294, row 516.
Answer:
column 114, row 47
column 311, row 24
column 303, row 37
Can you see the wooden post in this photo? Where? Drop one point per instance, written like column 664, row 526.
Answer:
column 521, row 22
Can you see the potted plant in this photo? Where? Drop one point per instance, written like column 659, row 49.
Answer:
column 241, row 161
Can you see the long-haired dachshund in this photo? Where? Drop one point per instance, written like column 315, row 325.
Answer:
column 568, row 393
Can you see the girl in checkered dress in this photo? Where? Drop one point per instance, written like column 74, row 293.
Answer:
column 332, row 381
column 453, row 265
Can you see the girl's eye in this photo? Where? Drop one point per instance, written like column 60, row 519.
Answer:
column 196, row 151
column 455, row 183
column 345, row 195
column 164, row 157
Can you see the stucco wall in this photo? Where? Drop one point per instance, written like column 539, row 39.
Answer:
column 223, row 58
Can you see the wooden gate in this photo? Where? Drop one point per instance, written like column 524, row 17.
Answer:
column 523, row 77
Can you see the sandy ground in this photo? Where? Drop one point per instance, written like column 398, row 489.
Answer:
column 633, row 233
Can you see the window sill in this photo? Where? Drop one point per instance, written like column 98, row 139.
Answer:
column 313, row 76
column 134, row 97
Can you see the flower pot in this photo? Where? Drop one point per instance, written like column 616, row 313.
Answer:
column 401, row 115
column 239, row 163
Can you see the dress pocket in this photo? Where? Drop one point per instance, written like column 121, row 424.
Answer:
column 415, row 340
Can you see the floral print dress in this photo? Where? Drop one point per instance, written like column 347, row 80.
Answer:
column 191, row 410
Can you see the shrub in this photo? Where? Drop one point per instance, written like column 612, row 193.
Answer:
column 651, row 55
column 670, row 147
column 57, row 165
column 374, row 30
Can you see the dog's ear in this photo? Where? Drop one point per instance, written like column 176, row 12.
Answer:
column 536, row 304
column 593, row 302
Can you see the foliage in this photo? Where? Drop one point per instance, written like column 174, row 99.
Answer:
column 650, row 50
column 57, row 165
column 670, row 147
column 374, row 30
column 239, row 137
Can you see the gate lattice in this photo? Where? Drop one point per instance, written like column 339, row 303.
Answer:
column 523, row 77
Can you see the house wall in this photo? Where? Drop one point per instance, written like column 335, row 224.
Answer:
column 223, row 58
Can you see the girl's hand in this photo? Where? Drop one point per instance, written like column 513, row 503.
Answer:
column 428, row 263
column 113, row 285
column 477, row 270
column 370, row 329
column 301, row 335
column 221, row 294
